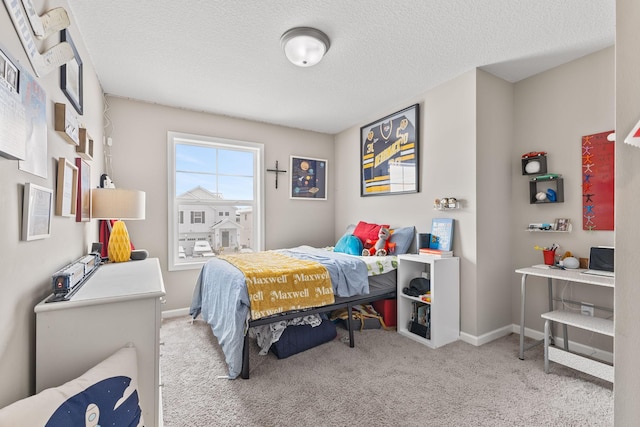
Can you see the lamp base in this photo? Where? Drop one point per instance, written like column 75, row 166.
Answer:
column 119, row 248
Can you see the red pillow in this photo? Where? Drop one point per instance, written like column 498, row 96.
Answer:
column 364, row 231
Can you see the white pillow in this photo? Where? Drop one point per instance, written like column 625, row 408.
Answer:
column 105, row 395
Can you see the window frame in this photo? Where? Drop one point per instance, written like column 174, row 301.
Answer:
column 173, row 238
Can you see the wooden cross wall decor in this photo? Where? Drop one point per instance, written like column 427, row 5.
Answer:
column 277, row 171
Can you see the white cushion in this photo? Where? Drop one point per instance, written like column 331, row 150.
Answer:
column 105, row 395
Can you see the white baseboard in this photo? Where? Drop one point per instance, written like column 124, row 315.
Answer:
column 179, row 312
column 485, row 338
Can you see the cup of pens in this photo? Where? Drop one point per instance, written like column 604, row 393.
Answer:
column 549, row 256
column 549, row 253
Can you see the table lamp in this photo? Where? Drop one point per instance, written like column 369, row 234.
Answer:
column 118, row 204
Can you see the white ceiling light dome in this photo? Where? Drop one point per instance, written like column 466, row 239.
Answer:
column 305, row 46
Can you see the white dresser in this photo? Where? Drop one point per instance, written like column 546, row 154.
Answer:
column 119, row 304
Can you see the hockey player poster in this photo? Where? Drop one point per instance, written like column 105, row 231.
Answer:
column 389, row 154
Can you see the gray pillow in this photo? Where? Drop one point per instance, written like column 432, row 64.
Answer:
column 348, row 231
column 403, row 237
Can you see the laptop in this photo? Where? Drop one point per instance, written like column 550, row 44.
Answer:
column 600, row 261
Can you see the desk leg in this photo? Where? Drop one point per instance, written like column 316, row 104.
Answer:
column 547, row 331
column 522, row 303
column 550, row 296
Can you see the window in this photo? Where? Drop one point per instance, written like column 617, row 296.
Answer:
column 210, row 180
column 197, row 217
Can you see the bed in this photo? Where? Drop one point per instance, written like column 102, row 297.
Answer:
column 222, row 293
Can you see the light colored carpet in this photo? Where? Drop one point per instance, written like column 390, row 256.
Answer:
column 386, row 380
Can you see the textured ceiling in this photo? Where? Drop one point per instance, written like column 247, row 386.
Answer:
column 224, row 56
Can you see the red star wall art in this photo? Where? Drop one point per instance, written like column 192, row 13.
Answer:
column 598, row 156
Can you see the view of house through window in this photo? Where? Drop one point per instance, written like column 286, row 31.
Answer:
column 215, row 202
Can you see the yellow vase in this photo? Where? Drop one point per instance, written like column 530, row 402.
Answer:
column 119, row 248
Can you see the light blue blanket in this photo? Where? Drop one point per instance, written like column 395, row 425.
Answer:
column 221, row 296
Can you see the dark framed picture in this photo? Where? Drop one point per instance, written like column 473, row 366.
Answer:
column 389, row 154
column 37, row 209
column 83, row 205
column 71, row 75
column 9, row 73
column 308, row 178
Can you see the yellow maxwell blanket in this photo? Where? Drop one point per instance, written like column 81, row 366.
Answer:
column 278, row 283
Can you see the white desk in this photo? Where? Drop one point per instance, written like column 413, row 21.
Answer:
column 550, row 274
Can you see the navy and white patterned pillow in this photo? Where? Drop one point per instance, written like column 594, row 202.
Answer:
column 105, row 395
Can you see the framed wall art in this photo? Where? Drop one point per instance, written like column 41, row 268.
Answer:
column 71, row 75
column 13, row 137
column 83, row 205
column 66, row 188
column 562, row 224
column 389, row 154
column 9, row 73
column 598, row 181
column 308, row 178
column 37, row 209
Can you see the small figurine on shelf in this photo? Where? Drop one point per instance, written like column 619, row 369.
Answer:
column 445, row 203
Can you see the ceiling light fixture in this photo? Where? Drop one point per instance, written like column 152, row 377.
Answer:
column 304, row 46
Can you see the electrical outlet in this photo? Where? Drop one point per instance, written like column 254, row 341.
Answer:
column 586, row 309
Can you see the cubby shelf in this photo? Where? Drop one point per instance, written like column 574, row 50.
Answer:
column 541, row 160
column 444, row 275
column 555, row 181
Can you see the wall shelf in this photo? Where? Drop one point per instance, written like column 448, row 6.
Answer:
column 548, row 231
column 537, row 184
column 542, row 169
column 85, row 146
column 446, row 208
column 66, row 124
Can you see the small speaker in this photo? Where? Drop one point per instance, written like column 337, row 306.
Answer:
column 96, row 248
column 139, row 254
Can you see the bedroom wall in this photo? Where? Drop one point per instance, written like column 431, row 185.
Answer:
column 627, row 343
column 139, row 152
column 478, row 126
column 494, row 124
column 553, row 110
column 448, row 168
column 27, row 266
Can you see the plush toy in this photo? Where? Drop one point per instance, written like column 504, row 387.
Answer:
column 378, row 247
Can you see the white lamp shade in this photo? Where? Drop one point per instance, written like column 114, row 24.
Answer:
column 117, row 203
column 304, row 46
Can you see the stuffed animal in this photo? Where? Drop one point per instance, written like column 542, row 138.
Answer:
column 378, row 247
